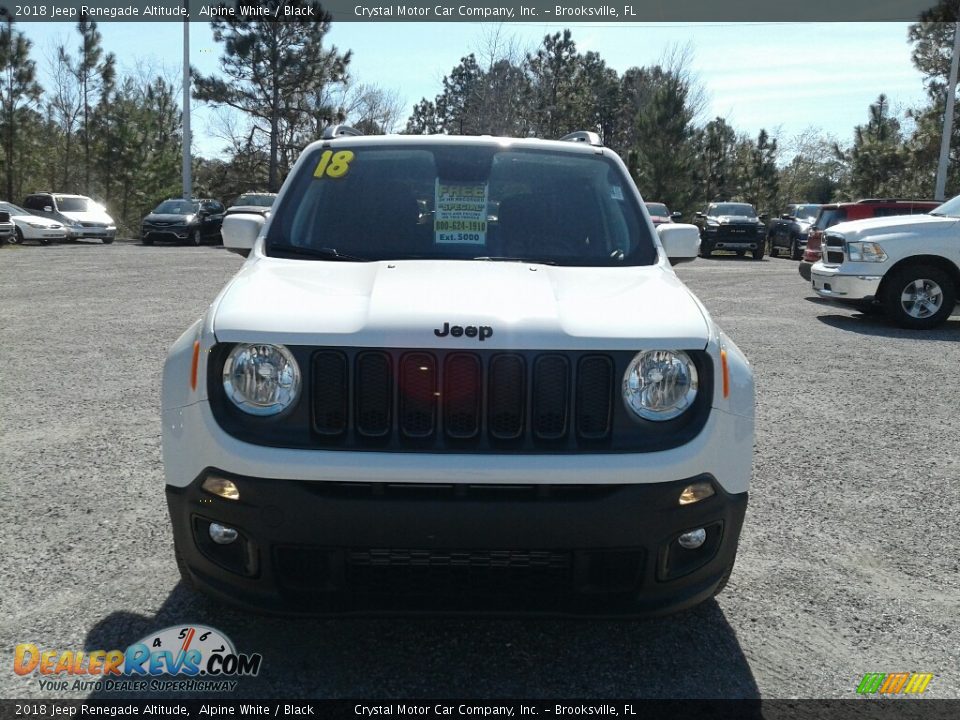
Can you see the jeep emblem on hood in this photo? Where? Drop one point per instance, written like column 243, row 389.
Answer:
column 482, row 332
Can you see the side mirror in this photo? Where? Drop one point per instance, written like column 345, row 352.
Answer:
column 676, row 216
column 240, row 232
column 698, row 214
column 786, row 216
column 680, row 242
column 47, row 208
column 764, row 217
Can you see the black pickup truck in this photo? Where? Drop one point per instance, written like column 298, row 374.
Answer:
column 731, row 226
column 788, row 233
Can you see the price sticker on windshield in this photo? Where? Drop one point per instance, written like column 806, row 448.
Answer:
column 460, row 213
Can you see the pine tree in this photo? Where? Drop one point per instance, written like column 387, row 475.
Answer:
column 271, row 69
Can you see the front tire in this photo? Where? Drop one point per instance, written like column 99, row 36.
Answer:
column 16, row 238
column 919, row 297
column 107, row 240
column 196, row 239
column 795, row 252
column 758, row 253
column 705, row 249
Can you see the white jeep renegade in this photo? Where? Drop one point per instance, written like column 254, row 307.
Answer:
column 457, row 373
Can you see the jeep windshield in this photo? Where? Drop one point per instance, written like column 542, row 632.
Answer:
column 735, row 209
column 461, row 202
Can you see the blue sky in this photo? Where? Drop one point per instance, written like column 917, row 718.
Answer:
column 785, row 77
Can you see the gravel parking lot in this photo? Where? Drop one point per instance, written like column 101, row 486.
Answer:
column 848, row 561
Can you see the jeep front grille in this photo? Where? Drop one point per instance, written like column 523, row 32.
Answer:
column 461, row 401
column 455, row 396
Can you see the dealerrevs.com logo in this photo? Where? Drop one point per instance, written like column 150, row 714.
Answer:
column 179, row 658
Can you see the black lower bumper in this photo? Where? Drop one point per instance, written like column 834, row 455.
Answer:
column 324, row 547
column 804, row 269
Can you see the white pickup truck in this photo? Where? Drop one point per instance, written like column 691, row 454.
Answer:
column 907, row 265
column 457, row 373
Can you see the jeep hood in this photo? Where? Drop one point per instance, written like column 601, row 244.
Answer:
column 400, row 303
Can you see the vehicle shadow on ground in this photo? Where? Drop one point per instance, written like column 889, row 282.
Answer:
column 733, row 257
column 694, row 654
column 878, row 326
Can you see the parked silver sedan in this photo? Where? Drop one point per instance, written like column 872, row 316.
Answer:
column 32, row 227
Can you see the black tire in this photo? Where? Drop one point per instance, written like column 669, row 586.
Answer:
column 705, row 249
column 758, row 253
column 147, row 241
column 16, row 238
column 107, row 240
column 918, row 296
column 196, row 239
column 771, row 248
column 795, row 252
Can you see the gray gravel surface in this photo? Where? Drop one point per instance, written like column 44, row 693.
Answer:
column 848, row 561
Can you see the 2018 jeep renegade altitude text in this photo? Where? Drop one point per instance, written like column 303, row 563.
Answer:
column 457, row 372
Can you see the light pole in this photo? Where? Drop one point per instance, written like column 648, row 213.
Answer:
column 948, row 116
column 187, row 180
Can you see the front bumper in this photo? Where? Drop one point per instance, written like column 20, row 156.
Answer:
column 329, row 547
column 77, row 233
column 166, row 234
column 830, row 282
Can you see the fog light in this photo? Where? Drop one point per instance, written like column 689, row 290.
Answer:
column 689, row 540
column 221, row 487
column 696, row 492
column 223, row 535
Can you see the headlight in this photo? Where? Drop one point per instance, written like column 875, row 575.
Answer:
column 865, row 252
column 261, row 379
column 660, row 384
column 37, row 225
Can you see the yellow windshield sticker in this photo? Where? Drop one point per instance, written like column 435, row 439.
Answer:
column 333, row 164
column 460, row 213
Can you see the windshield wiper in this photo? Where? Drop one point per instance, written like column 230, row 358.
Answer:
column 510, row 258
column 324, row 253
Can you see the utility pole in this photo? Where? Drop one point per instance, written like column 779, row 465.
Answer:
column 948, row 117
column 187, row 180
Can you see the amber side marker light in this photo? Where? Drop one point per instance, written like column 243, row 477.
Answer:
column 726, row 373
column 695, row 493
column 195, row 365
column 221, row 487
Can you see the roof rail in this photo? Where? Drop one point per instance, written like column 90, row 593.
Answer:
column 584, row 136
column 335, row 131
column 903, row 200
